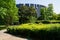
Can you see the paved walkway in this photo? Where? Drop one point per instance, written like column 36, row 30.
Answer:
column 5, row 36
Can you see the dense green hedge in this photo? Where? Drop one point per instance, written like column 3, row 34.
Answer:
column 41, row 31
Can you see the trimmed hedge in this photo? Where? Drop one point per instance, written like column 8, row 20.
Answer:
column 41, row 31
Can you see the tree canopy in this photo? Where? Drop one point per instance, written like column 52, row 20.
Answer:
column 47, row 12
column 26, row 13
column 8, row 11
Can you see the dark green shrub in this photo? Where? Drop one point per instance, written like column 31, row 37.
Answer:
column 37, row 22
column 40, row 18
column 15, row 23
column 26, row 14
column 55, row 22
column 45, row 22
column 23, row 20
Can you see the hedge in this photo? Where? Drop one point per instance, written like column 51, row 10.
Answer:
column 40, row 31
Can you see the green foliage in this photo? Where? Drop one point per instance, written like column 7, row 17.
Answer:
column 32, row 19
column 43, row 13
column 46, row 12
column 46, row 22
column 26, row 14
column 41, row 31
column 58, row 16
column 50, row 11
column 2, row 28
column 8, row 11
column 54, row 16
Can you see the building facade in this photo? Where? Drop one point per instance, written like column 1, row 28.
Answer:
column 36, row 6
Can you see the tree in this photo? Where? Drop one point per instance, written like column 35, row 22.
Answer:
column 43, row 13
column 47, row 12
column 8, row 11
column 50, row 11
column 32, row 14
column 58, row 16
column 54, row 16
column 26, row 13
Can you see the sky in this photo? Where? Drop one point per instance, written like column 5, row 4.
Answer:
column 56, row 3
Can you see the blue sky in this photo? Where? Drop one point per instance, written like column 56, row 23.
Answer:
column 56, row 3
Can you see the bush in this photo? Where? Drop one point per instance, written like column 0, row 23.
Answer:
column 32, row 19
column 55, row 21
column 45, row 22
column 37, row 22
column 41, row 31
column 23, row 20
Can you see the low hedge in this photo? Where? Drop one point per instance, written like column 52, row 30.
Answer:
column 41, row 31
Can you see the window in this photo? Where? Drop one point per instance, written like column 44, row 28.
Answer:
column 31, row 4
column 27, row 5
column 21, row 5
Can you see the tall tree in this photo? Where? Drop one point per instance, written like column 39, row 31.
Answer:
column 26, row 13
column 47, row 12
column 43, row 13
column 42, row 10
column 8, row 11
column 50, row 11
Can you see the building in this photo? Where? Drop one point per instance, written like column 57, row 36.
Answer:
column 36, row 6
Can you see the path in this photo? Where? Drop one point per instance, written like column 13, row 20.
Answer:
column 5, row 36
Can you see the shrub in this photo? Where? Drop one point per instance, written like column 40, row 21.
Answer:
column 55, row 21
column 37, row 22
column 41, row 31
column 45, row 22
column 32, row 19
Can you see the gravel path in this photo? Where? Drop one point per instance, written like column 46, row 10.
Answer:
column 5, row 36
